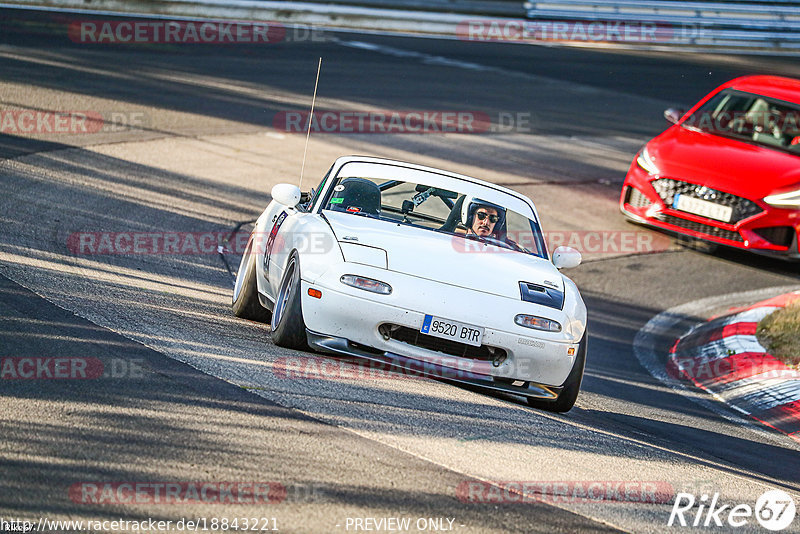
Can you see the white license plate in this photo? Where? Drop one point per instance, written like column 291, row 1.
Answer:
column 452, row 330
column 703, row 208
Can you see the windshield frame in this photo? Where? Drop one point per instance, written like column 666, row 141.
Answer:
column 484, row 189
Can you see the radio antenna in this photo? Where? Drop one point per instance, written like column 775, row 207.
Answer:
column 310, row 118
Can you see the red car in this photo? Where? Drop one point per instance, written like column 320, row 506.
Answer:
column 727, row 171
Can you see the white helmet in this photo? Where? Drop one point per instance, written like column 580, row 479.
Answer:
column 472, row 204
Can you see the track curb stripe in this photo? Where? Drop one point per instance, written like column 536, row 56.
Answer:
column 723, row 356
column 703, row 336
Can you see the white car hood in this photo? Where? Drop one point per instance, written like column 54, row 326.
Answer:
column 445, row 258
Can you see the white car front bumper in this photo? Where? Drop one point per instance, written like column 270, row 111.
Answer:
column 346, row 317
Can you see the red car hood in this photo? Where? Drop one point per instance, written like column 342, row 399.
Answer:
column 724, row 164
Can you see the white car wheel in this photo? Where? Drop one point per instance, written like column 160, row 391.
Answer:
column 245, row 302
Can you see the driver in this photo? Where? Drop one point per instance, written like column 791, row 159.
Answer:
column 482, row 218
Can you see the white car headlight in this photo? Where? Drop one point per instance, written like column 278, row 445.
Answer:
column 367, row 284
column 537, row 323
column 784, row 200
column 645, row 161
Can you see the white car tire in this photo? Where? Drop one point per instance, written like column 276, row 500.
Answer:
column 245, row 302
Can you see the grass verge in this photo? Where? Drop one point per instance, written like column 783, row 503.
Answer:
column 779, row 333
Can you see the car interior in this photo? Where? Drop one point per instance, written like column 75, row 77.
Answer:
column 764, row 121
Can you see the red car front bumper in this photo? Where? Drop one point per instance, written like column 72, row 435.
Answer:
column 755, row 226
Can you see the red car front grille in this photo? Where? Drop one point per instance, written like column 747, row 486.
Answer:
column 743, row 208
column 700, row 227
column 636, row 198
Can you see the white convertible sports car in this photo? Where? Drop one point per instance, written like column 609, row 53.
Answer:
column 423, row 270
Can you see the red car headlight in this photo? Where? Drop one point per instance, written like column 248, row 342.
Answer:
column 784, row 200
column 646, row 162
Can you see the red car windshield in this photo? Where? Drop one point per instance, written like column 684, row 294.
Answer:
column 751, row 118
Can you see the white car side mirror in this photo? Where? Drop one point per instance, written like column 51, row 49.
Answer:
column 286, row 194
column 566, row 258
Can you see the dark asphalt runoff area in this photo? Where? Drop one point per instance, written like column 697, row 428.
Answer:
column 180, row 391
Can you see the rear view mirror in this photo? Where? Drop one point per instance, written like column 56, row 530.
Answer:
column 436, row 192
column 566, row 258
column 287, row 194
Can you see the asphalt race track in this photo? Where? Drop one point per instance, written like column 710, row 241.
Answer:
column 187, row 143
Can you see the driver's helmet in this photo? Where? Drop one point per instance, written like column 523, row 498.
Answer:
column 472, row 204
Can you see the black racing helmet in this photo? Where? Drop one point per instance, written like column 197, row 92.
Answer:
column 358, row 195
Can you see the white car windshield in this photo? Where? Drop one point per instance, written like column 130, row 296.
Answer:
column 487, row 219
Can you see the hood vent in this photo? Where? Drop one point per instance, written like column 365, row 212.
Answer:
column 538, row 294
